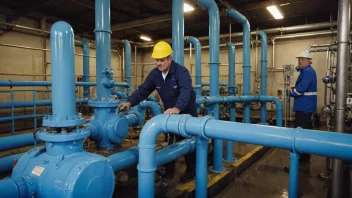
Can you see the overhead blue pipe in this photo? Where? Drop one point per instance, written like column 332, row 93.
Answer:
column 220, row 84
column 23, row 117
column 198, row 54
column 246, row 57
column 17, row 141
column 85, row 77
column 298, row 140
column 178, row 31
column 4, row 105
column 8, row 188
column 48, row 83
column 231, row 89
column 214, row 63
column 6, row 163
column 127, row 47
column 263, row 73
column 129, row 157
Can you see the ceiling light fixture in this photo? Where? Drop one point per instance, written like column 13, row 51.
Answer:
column 275, row 12
column 145, row 38
column 187, row 7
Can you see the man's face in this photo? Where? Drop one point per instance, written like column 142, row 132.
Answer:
column 303, row 62
column 163, row 64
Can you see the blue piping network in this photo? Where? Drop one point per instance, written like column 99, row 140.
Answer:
column 198, row 54
column 246, row 58
column 214, row 48
column 297, row 140
column 6, row 83
column 22, row 117
column 263, row 73
column 85, row 78
column 127, row 47
column 4, row 105
column 178, row 31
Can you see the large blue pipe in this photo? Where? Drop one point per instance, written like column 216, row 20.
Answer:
column 4, row 105
column 17, row 141
column 85, row 77
column 198, row 54
column 232, row 75
column 127, row 47
column 7, row 83
column 293, row 182
column 263, row 73
column 23, row 117
column 6, row 163
column 246, row 57
column 243, row 99
column 129, row 157
column 214, row 48
column 8, row 188
column 178, row 31
column 297, row 140
column 153, row 106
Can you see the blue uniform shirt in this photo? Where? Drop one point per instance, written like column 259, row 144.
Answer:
column 175, row 91
column 305, row 91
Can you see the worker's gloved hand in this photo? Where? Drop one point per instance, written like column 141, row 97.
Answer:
column 124, row 107
column 172, row 111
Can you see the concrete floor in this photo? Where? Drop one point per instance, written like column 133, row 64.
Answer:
column 268, row 179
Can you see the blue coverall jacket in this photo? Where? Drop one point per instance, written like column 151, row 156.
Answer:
column 305, row 91
column 175, row 91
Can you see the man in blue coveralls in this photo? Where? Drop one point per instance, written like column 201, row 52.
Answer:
column 305, row 96
column 174, row 85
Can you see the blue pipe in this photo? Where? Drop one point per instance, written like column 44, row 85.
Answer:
column 298, row 140
column 17, row 141
column 220, row 84
column 214, row 63
column 151, row 98
column 127, row 47
column 129, row 157
column 23, row 117
column 85, row 77
column 8, row 188
column 4, row 105
column 246, row 57
column 6, row 163
column 178, row 31
column 12, row 113
column 48, row 83
column 201, row 166
column 232, row 75
column 198, row 53
column 293, row 179
column 243, row 99
column 153, row 106
column 263, row 74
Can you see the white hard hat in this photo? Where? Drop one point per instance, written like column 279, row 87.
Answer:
column 304, row 54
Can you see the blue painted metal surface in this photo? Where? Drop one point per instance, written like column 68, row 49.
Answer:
column 293, row 181
column 4, row 105
column 297, row 140
column 6, row 163
column 17, row 141
column 12, row 113
column 214, row 63
column 201, row 166
column 48, row 83
column 198, row 55
column 85, row 77
column 63, row 78
column 263, row 73
column 151, row 98
column 23, row 117
column 243, row 99
column 246, row 57
column 8, row 188
column 153, row 106
column 220, row 84
column 178, row 31
column 127, row 47
column 232, row 91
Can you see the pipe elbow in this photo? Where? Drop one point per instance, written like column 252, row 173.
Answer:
column 278, row 103
column 152, row 129
column 153, row 106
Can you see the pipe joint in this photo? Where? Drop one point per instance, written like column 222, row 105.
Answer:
column 296, row 130
column 97, row 30
column 27, row 187
column 182, row 126
column 202, row 126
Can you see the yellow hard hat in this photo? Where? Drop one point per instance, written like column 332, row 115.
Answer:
column 161, row 50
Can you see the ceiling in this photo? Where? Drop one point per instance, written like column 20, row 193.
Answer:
column 126, row 15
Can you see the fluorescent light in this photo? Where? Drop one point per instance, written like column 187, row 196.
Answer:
column 187, row 7
column 145, row 38
column 275, row 12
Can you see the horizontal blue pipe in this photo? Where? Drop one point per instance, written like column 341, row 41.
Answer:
column 129, row 157
column 220, row 84
column 6, row 163
column 23, row 117
column 17, row 141
column 8, row 188
column 5, row 83
column 4, row 105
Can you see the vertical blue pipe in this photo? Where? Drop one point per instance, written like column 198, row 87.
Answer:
column 178, row 31
column 214, row 48
column 63, row 70
column 35, row 110
column 246, row 58
column 198, row 53
column 12, row 113
column 86, row 51
column 232, row 75
column 127, row 47
column 263, row 74
column 293, row 180
column 103, row 45
column 201, row 167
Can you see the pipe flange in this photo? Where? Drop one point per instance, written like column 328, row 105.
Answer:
column 202, row 126
column 296, row 130
column 182, row 126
